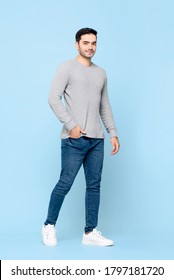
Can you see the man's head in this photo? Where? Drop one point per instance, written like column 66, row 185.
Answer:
column 86, row 40
column 84, row 31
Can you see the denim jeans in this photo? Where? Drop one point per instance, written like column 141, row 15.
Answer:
column 74, row 153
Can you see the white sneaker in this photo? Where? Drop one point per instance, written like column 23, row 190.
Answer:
column 49, row 235
column 96, row 238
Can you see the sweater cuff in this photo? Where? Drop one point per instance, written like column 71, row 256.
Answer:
column 70, row 125
column 113, row 133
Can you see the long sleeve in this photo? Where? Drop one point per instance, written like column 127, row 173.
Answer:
column 106, row 112
column 58, row 87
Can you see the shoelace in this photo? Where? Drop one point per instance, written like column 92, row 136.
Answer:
column 98, row 234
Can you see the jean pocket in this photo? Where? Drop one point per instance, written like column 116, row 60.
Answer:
column 74, row 140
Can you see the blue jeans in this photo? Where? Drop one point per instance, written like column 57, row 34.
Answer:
column 74, row 153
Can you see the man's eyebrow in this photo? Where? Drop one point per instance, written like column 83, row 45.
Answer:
column 89, row 42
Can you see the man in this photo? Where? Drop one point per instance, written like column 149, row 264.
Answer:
column 84, row 88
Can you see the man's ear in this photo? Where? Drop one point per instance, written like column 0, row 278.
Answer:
column 77, row 45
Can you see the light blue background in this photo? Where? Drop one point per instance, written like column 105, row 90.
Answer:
column 136, row 48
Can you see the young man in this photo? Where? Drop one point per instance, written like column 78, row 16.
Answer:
column 84, row 88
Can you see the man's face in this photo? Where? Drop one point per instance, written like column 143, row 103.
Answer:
column 87, row 45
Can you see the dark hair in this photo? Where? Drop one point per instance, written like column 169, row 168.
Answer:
column 84, row 31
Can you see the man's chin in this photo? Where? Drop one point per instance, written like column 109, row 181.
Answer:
column 90, row 55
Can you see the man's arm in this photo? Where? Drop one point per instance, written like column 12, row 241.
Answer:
column 106, row 112
column 108, row 120
column 58, row 86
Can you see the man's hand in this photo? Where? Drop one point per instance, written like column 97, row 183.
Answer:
column 76, row 132
column 115, row 145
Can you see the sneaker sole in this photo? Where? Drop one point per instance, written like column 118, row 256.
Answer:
column 97, row 244
column 49, row 245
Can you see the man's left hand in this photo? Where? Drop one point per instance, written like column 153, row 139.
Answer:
column 115, row 145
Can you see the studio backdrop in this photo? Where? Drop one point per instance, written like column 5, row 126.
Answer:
column 135, row 47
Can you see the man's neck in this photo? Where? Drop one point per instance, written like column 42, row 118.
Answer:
column 84, row 61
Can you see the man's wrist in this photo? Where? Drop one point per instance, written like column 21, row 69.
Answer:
column 114, row 137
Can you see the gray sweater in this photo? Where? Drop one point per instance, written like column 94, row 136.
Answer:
column 84, row 89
